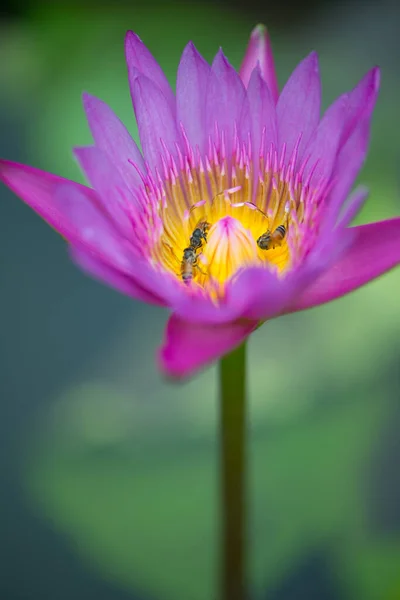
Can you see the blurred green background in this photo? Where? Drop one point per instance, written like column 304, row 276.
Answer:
column 108, row 473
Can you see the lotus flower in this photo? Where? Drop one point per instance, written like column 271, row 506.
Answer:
column 237, row 210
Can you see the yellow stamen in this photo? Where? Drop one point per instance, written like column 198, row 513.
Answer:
column 236, row 218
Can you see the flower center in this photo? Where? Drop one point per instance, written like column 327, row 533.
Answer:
column 213, row 217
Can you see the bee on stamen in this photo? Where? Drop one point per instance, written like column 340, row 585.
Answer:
column 189, row 259
column 269, row 240
column 199, row 234
column 188, row 264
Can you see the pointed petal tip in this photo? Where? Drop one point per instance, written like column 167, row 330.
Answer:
column 259, row 32
column 11, row 171
column 91, row 106
column 190, row 50
column 372, row 79
column 310, row 63
column 260, row 36
column 132, row 37
column 4, row 164
column 140, row 60
column 128, row 36
column 376, row 77
column 87, row 100
column 6, row 169
column 313, row 61
column 131, row 41
column 259, row 49
column 221, row 63
column 220, row 56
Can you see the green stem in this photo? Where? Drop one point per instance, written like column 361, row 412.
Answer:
column 233, row 467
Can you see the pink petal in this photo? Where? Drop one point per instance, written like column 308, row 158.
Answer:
column 112, row 277
column 200, row 309
column 261, row 293
column 140, row 61
column 331, row 245
column 338, row 124
column 97, row 236
column 191, row 87
column 298, row 107
column 361, row 102
column 75, row 212
column 352, row 206
column 111, row 136
column 323, row 147
column 117, row 200
column 225, row 98
column 189, row 347
column 37, row 188
column 376, row 250
column 348, row 164
column 96, row 233
column 259, row 51
column 155, row 119
column 256, row 293
column 263, row 114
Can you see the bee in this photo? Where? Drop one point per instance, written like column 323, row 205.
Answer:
column 199, row 235
column 269, row 240
column 189, row 259
column 189, row 262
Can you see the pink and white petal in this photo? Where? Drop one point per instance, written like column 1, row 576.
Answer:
column 117, row 200
column 156, row 121
column 298, row 108
column 191, row 88
column 225, row 98
column 259, row 51
column 376, row 249
column 189, row 347
column 37, row 188
column 112, row 277
column 263, row 114
column 139, row 60
column 111, row 136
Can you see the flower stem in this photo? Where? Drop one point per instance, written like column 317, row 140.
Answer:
column 232, row 473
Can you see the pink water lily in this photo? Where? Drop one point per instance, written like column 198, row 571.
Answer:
column 237, row 210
